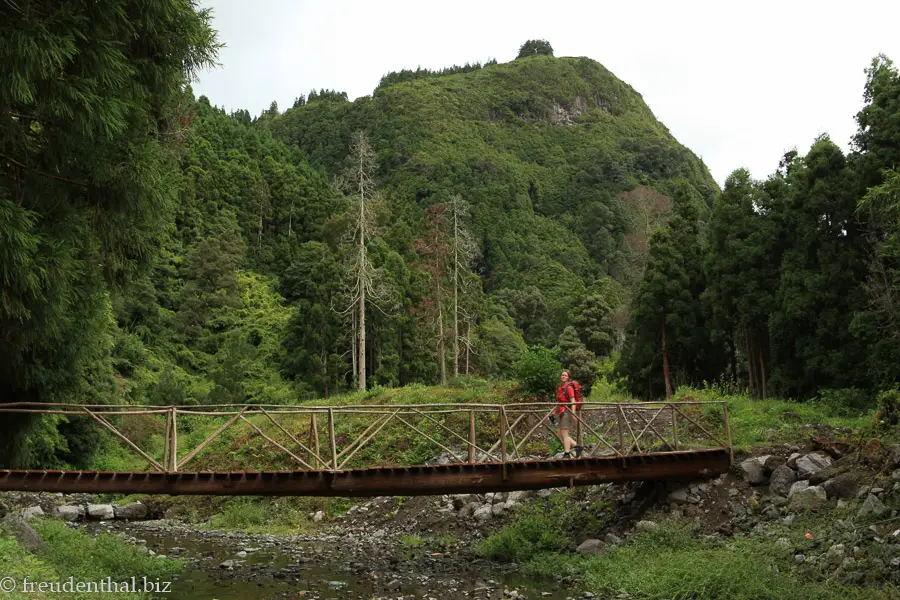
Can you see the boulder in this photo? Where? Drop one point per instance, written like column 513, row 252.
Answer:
column 521, row 495
column 319, row 516
column 873, row 453
column 132, row 511
column 679, row 496
column 842, row 465
column 812, row 463
column 100, row 512
column 894, row 459
column 16, row 524
column 809, row 498
column 843, row 486
column 781, row 481
column 483, row 513
column 591, row 546
column 612, row 539
column 753, row 470
column 872, row 507
column 792, row 460
column 69, row 513
column 797, row 486
column 32, row 512
column 773, row 462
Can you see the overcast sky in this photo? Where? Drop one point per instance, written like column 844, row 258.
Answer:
column 738, row 86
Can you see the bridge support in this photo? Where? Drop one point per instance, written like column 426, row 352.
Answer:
column 385, row 481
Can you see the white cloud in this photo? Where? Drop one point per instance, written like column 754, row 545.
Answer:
column 738, row 85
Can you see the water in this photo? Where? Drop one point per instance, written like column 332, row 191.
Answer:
column 316, row 570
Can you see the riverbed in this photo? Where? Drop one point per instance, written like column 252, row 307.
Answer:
column 237, row 566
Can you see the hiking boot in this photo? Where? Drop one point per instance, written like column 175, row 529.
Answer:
column 566, row 455
column 578, row 450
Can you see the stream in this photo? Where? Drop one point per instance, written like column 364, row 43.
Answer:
column 320, row 566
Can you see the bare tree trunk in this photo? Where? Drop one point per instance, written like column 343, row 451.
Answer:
column 353, row 341
column 442, row 353
column 325, row 370
column 455, row 297
column 361, row 363
column 750, row 381
column 762, row 371
column 291, row 221
column 665, row 351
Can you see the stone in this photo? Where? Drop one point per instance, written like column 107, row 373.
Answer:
column 873, row 453
column 843, row 486
column 521, row 495
column 797, row 486
column 863, row 491
column 318, row 517
column 69, row 513
column 753, row 471
column 483, row 513
column 792, row 460
column 241, row 554
column 842, row 465
column 799, row 559
column 646, row 526
column 773, row 462
column 498, row 509
column 789, row 520
column 896, row 475
column 612, row 539
column 393, row 585
column 894, row 459
column 811, row 464
column 591, row 546
column 679, row 496
column 809, row 498
column 835, row 554
column 132, row 511
column 781, row 481
column 783, row 544
column 872, row 507
column 32, row 512
column 100, row 512
column 228, row 564
column 17, row 525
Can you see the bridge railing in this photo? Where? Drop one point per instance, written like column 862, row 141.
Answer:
column 336, row 438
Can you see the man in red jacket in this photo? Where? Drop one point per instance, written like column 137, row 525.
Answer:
column 565, row 414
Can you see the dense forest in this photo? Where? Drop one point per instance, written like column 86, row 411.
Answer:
column 155, row 248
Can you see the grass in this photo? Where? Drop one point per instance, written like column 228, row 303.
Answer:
column 71, row 553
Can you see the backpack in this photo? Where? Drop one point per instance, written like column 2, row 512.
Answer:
column 579, row 397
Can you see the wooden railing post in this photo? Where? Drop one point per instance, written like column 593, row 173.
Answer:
column 471, row 437
column 334, row 460
column 675, row 425
column 579, row 437
column 728, row 432
column 503, row 426
column 621, row 429
column 314, row 433
column 173, row 441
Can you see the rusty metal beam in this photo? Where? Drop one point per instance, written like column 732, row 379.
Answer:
column 384, row 481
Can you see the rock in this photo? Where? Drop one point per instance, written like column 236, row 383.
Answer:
column 835, row 554
column 521, row 495
column 873, row 453
column 16, row 524
column 811, row 464
column 797, row 486
column 843, row 486
column 872, row 507
column 646, row 526
column 792, row 460
column 318, row 517
column 894, row 459
column 32, row 512
column 679, row 496
column 783, row 544
column 68, row 513
column 591, row 546
column 789, row 520
column 500, row 497
column 799, row 559
column 100, row 512
column 781, row 481
column 228, row 564
column 468, row 510
column 896, row 475
column 241, row 554
column 773, row 462
column 483, row 513
column 753, row 471
column 612, row 540
column 132, row 511
column 498, row 509
column 863, row 491
column 393, row 585
column 809, row 498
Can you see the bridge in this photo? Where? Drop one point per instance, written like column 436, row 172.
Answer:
column 360, row 450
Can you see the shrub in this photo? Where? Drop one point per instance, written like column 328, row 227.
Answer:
column 537, row 370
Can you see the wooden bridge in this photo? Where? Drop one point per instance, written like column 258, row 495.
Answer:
column 332, row 449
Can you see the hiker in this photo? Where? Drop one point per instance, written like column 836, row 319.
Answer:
column 568, row 394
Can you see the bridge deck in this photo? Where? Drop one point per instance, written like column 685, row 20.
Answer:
column 384, row 481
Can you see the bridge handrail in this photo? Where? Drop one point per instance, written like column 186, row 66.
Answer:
column 632, row 422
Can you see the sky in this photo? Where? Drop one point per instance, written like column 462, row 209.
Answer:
column 737, row 83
